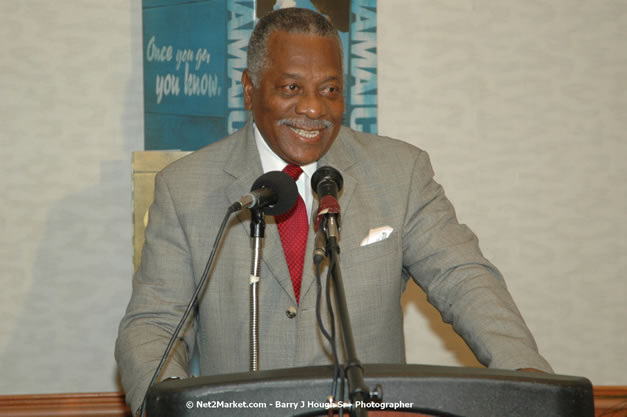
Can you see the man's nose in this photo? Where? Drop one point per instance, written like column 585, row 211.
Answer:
column 311, row 104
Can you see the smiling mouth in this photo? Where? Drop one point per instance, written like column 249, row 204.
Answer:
column 307, row 134
column 306, row 129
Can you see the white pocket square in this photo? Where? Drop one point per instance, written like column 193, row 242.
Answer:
column 376, row 235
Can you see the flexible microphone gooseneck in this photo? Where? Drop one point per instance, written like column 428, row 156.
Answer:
column 276, row 193
column 327, row 183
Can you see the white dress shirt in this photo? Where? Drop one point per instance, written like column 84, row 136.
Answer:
column 272, row 162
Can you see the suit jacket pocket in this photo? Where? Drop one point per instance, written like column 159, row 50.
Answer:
column 387, row 248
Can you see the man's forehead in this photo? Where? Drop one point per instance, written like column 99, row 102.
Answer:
column 288, row 45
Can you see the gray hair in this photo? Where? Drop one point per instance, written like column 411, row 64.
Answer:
column 289, row 20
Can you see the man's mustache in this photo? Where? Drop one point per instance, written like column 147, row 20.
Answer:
column 306, row 123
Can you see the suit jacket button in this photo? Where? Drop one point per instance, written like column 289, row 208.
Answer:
column 290, row 312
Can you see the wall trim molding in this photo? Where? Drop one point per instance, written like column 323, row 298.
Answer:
column 96, row 404
column 610, row 401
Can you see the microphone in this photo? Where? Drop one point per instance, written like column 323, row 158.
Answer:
column 274, row 191
column 327, row 182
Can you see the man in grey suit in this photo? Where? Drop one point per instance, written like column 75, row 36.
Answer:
column 396, row 224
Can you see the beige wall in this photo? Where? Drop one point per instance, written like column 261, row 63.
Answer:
column 521, row 106
column 71, row 112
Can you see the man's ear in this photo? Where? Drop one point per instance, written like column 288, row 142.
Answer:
column 248, row 87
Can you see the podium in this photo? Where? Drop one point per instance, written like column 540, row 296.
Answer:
column 430, row 390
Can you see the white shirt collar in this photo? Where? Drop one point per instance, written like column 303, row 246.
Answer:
column 270, row 161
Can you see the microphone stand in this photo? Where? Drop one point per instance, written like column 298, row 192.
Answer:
column 257, row 229
column 358, row 391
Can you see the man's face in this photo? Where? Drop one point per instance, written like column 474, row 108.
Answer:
column 299, row 103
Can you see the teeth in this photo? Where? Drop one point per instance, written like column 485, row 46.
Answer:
column 306, row 133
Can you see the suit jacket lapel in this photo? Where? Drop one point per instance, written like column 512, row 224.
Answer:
column 244, row 165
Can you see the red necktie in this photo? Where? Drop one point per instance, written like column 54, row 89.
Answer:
column 293, row 229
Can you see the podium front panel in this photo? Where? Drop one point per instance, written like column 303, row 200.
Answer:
column 431, row 390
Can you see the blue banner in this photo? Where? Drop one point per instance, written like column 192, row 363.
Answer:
column 195, row 52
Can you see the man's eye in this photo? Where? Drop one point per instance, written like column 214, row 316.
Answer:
column 292, row 88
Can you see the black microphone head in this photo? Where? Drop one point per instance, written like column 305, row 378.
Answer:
column 283, row 186
column 325, row 174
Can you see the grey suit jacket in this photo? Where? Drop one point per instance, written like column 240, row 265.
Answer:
column 386, row 183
